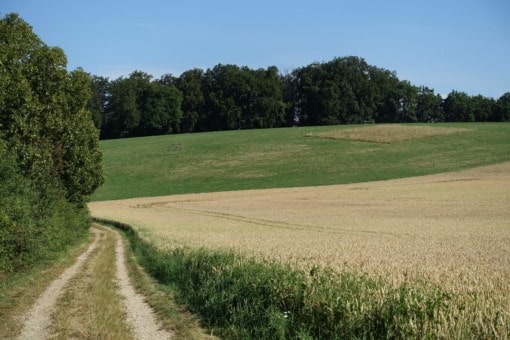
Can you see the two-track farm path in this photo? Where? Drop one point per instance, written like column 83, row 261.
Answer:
column 40, row 321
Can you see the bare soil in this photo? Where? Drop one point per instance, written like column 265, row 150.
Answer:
column 38, row 319
column 140, row 315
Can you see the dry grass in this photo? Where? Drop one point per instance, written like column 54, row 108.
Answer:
column 19, row 293
column 388, row 133
column 91, row 307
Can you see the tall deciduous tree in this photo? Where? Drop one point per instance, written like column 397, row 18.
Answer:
column 190, row 85
column 99, row 100
column 345, row 91
column 482, row 108
column 162, row 109
column 502, row 110
column 458, row 107
column 122, row 112
column 50, row 161
column 428, row 106
column 408, row 102
column 44, row 116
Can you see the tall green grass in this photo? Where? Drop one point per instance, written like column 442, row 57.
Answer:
column 257, row 159
column 241, row 298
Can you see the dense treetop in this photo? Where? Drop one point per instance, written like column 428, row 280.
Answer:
column 341, row 91
column 43, row 116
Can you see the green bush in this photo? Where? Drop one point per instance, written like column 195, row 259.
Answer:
column 49, row 154
column 36, row 223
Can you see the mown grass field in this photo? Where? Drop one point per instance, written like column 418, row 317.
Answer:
column 414, row 257
column 283, row 158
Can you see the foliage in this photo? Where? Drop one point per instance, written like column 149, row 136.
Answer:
column 136, row 106
column 122, row 115
column 49, row 148
column 36, row 224
column 99, row 96
column 227, row 97
column 190, row 84
column 43, row 117
column 337, row 92
column 162, row 111
column 16, row 222
column 502, row 110
column 458, row 107
column 429, row 106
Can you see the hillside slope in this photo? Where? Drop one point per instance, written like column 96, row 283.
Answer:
column 289, row 157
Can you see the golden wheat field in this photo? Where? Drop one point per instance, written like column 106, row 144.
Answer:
column 452, row 228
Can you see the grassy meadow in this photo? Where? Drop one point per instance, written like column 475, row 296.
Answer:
column 405, row 258
column 283, row 158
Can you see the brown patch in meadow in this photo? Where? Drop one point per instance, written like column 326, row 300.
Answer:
column 253, row 174
column 388, row 134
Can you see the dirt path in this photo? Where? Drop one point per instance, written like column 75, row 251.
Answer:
column 39, row 321
column 139, row 314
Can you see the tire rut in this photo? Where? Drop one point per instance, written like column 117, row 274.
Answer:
column 38, row 320
column 139, row 314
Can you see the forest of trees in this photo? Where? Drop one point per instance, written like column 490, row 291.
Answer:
column 341, row 91
column 50, row 161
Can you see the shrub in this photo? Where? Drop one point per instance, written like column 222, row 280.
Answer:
column 49, row 154
column 35, row 222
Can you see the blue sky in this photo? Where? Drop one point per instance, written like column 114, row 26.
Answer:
column 442, row 44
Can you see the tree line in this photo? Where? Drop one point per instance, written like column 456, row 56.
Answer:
column 341, row 91
column 50, row 161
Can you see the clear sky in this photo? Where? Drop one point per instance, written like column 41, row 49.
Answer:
column 443, row 44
